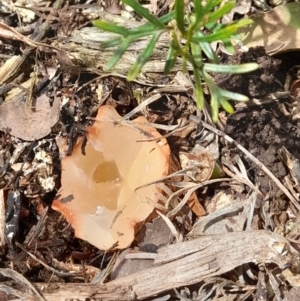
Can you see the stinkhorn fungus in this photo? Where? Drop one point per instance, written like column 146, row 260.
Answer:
column 104, row 193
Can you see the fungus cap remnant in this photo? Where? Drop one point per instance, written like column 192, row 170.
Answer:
column 102, row 194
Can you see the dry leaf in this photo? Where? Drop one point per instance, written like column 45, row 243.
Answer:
column 277, row 30
column 28, row 124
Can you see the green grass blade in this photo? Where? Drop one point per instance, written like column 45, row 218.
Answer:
column 214, row 103
column 216, row 36
column 149, row 26
column 226, row 105
column 118, row 54
column 198, row 10
column 215, row 95
column 171, row 59
column 206, row 48
column 233, row 95
column 197, row 54
column 179, row 14
column 228, row 46
column 167, row 18
column 209, row 52
column 143, row 57
column 210, row 4
column 139, row 9
column 139, row 32
column 133, row 36
column 198, row 89
column 111, row 43
column 110, row 27
column 202, row 12
column 231, row 69
column 218, row 14
column 223, row 33
column 213, row 26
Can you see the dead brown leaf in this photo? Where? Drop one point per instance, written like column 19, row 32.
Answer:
column 28, row 124
column 278, row 30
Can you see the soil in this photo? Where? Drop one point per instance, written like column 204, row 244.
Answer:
column 263, row 126
column 263, row 129
column 257, row 84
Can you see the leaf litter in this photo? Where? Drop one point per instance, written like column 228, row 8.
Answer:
column 251, row 225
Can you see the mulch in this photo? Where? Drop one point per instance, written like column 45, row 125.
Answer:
column 39, row 243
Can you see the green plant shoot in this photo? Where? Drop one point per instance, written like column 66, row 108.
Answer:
column 191, row 32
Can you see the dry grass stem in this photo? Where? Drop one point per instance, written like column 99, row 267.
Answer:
column 252, row 158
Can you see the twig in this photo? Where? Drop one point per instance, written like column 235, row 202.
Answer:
column 34, row 41
column 21, row 279
column 142, row 105
column 192, row 187
column 2, row 220
column 172, row 228
column 240, row 177
column 56, row 272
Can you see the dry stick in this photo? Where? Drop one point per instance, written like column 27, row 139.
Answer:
column 46, row 25
column 21, row 279
column 251, row 157
column 49, row 268
column 142, row 105
column 2, row 220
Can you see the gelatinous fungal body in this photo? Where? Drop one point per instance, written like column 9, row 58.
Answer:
column 102, row 194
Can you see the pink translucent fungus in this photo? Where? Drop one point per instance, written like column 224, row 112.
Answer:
column 103, row 194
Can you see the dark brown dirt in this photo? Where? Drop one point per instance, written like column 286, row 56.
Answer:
column 255, row 84
column 262, row 129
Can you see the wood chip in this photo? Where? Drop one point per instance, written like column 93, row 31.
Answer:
column 183, row 264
